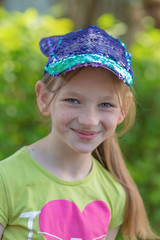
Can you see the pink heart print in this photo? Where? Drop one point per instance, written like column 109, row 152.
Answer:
column 63, row 220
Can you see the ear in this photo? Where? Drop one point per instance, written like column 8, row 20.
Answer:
column 43, row 97
column 128, row 101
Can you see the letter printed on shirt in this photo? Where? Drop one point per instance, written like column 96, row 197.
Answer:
column 31, row 216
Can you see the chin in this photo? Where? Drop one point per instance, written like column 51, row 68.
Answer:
column 84, row 149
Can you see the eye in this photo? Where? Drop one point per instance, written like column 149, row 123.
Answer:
column 72, row 101
column 105, row 105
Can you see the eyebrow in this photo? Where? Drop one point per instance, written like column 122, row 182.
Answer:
column 73, row 93
column 102, row 98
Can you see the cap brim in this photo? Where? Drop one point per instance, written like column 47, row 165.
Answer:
column 56, row 68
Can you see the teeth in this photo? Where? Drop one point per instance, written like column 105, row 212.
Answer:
column 85, row 132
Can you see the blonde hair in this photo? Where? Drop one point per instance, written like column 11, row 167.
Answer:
column 109, row 154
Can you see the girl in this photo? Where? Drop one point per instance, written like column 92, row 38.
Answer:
column 73, row 184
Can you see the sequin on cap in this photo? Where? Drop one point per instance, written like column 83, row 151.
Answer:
column 91, row 46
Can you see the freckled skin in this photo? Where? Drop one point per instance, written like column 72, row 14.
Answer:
column 91, row 88
column 84, row 113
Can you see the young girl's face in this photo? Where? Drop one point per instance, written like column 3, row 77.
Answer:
column 86, row 110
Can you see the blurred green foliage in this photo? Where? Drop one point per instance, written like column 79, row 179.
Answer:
column 22, row 65
column 143, row 142
column 112, row 25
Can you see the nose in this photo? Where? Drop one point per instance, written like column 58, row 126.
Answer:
column 89, row 118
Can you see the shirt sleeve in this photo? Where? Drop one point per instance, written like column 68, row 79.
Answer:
column 3, row 203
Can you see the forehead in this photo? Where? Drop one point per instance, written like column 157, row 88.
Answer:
column 92, row 78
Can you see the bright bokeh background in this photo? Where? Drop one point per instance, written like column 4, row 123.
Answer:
column 22, row 63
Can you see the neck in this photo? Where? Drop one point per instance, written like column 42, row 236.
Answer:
column 64, row 163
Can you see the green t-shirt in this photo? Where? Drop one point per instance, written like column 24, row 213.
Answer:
column 35, row 204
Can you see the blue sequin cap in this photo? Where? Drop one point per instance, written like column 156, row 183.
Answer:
column 91, row 46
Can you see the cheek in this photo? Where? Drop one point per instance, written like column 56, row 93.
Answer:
column 110, row 122
column 62, row 116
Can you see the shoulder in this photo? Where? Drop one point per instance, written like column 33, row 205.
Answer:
column 107, row 179
column 111, row 187
column 115, row 193
column 12, row 166
column 13, row 159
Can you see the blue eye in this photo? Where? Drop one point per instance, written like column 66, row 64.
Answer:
column 105, row 105
column 72, row 100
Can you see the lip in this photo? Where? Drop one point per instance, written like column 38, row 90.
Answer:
column 86, row 135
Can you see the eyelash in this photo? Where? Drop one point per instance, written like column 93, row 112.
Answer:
column 105, row 105
column 72, row 101
column 75, row 101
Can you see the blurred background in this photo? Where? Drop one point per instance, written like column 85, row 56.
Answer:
column 137, row 22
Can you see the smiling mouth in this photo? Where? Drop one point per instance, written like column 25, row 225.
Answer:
column 85, row 135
